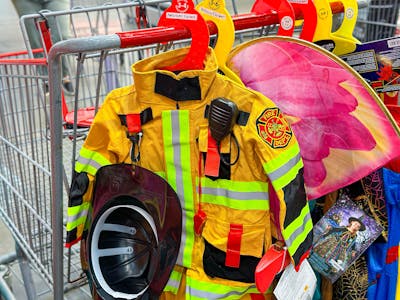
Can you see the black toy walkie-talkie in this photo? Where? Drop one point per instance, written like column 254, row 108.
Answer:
column 222, row 115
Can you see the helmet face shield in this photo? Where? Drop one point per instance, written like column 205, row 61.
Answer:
column 134, row 238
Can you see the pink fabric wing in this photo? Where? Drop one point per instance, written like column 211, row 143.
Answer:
column 343, row 129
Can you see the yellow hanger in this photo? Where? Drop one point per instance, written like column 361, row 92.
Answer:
column 215, row 11
column 346, row 29
column 323, row 32
column 324, row 23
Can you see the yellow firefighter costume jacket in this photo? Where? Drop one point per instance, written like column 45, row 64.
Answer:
column 240, row 221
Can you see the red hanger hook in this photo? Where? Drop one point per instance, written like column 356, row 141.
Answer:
column 284, row 10
column 182, row 13
column 307, row 10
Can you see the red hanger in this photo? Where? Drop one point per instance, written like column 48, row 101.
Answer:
column 309, row 12
column 285, row 13
column 182, row 13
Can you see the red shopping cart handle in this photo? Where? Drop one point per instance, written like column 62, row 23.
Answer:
column 273, row 262
column 84, row 118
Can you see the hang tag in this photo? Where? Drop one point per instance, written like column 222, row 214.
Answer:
column 296, row 285
column 199, row 220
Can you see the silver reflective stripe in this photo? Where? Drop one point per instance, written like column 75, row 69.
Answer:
column 281, row 171
column 89, row 162
column 73, row 218
column 179, row 183
column 177, row 143
column 173, row 283
column 299, row 231
column 208, row 294
column 235, row 194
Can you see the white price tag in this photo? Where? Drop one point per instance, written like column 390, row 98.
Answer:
column 296, row 285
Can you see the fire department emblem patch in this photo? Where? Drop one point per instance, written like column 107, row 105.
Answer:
column 273, row 128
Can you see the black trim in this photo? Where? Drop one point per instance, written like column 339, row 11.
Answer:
column 79, row 186
column 224, row 168
column 71, row 235
column 187, row 88
column 243, row 117
column 295, row 198
column 303, row 248
column 145, row 117
column 214, row 265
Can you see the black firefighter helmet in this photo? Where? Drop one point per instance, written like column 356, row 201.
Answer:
column 134, row 239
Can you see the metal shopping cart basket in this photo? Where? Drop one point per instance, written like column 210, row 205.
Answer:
column 41, row 133
column 378, row 20
column 25, row 177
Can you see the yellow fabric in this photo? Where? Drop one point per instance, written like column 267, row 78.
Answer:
column 107, row 137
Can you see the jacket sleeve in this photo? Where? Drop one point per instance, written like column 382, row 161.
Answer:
column 99, row 149
column 279, row 153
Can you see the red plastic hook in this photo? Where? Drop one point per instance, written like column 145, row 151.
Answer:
column 284, row 10
column 182, row 13
column 307, row 10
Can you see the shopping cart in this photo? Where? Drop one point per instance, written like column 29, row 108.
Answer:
column 25, row 177
column 39, row 144
column 378, row 20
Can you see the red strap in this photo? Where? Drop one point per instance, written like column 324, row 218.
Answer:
column 200, row 217
column 46, row 35
column 199, row 220
column 392, row 254
column 257, row 297
column 133, row 123
column 212, row 163
column 233, row 246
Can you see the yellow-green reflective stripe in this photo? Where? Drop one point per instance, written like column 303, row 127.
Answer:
column 236, row 194
column 90, row 161
column 79, row 167
column 300, row 238
column 239, row 204
column 173, row 282
column 284, row 168
column 210, row 290
column 298, row 229
column 176, row 137
column 235, row 185
column 287, row 177
column 280, row 160
column 161, row 174
column 76, row 215
column 168, row 149
column 236, row 204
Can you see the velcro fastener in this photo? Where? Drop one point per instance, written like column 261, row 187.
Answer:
column 233, row 246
